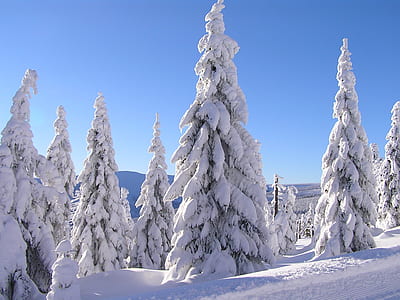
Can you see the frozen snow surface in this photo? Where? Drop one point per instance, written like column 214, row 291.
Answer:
column 367, row 274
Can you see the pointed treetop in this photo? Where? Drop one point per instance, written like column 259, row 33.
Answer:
column 396, row 107
column 100, row 96
column 215, row 18
column 395, row 120
column 29, row 81
column 156, row 131
column 345, row 43
column 20, row 107
column 345, row 76
column 156, row 126
column 61, row 111
column 98, row 102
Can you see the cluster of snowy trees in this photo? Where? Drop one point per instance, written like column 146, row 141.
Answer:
column 224, row 225
column 359, row 190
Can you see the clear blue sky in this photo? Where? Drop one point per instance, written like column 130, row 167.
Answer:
column 141, row 55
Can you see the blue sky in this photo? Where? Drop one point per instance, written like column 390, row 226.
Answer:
column 141, row 55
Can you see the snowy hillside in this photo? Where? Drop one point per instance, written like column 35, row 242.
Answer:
column 307, row 193
column 368, row 274
column 132, row 181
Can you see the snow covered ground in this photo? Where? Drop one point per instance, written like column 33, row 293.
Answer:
column 368, row 274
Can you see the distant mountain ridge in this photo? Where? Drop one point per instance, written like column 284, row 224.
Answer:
column 307, row 192
column 132, row 181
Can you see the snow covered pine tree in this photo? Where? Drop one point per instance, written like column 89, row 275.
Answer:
column 59, row 152
column 285, row 222
column 153, row 230
column 220, row 227
column 32, row 201
column 389, row 176
column 97, row 234
column 346, row 207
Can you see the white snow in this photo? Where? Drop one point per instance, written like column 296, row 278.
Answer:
column 367, row 274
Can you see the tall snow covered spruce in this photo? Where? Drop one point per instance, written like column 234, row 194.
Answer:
column 346, row 207
column 220, row 227
column 97, row 234
column 59, row 152
column 389, row 176
column 35, row 206
column 153, row 230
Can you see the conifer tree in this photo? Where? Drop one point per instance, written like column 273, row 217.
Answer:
column 278, row 190
column 57, row 210
column 389, row 176
column 15, row 283
column 285, row 222
column 32, row 200
column 153, row 230
column 306, row 226
column 220, row 227
column 376, row 159
column 127, row 221
column 97, row 234
column 59, row 152
column 346, row 207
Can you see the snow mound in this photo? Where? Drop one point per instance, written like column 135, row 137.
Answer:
column 120, row 284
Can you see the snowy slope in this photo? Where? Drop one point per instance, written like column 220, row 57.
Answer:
column 307, row 193
column 368, row 274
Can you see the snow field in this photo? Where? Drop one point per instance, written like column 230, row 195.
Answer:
column 367, row 274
